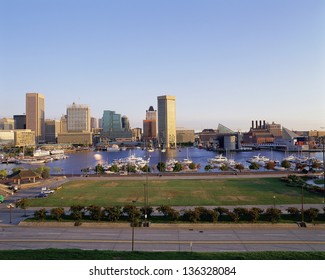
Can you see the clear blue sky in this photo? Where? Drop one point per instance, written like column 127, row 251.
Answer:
column 226, row 61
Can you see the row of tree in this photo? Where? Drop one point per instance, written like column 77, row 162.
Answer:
column 198, row 214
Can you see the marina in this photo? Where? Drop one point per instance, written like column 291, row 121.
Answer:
column 78, row 161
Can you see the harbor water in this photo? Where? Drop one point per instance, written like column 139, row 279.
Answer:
column 89, row 159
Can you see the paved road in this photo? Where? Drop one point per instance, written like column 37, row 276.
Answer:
column 157, row 239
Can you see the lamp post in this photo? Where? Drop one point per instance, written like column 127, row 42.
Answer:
column 133, row 214
column 274, row 201
column 323, row 143
column 302, row 203
column 10, row 206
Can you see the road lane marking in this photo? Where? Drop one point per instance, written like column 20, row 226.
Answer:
column 164, row 241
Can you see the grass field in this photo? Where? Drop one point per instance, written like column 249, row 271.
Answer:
column 75, row 254
column 209, row 192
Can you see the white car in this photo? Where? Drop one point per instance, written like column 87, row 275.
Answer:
column 48, row 191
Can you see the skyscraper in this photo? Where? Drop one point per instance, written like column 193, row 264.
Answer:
column 78, row 118
column 35, row 115
column 111, row 121
column 150, row 125
column 167, row 121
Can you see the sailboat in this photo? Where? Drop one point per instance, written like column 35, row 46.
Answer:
column 187, row 160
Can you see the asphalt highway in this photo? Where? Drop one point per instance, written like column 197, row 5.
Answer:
column 164, row 239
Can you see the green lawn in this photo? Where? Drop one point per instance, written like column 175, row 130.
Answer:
column 215, row 192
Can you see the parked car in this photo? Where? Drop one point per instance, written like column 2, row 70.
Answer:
column 48, row 191
column 41, row 195
column 1, row 198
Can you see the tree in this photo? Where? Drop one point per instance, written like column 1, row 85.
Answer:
column 161, row 166
column 99, row 169
column 207, row 167
column 77, row 213
column 113, row 213
column 23, row 204
column 293, row 211
column 224, row 167
column 286, row 164
column 3, row 173
column 57, row 213
column 221, row 210
column 241, row 212
column 114, row 168
column 254, row 213
column 146, row 210
column 273, row 214
column 146, row 168
column 168, row 212
column 133, row 213
column 207, row 214
column 239, row 166
column 44, row 172
column 191, row 215
column 40, row 214
column 254, row 166
column 270, row 165
column 177, row 167
column 311, row 214
column 95, row 212
column 192, row 166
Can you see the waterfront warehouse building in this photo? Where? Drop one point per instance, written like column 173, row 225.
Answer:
column 167, row 121
column 35, row 115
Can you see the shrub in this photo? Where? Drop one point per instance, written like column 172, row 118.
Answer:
column 77, row 212
column 57, row 213
column 273, row 214
column 221, row 210
column 146, row 210
column 254, row 213
column 293, row 211
column 191, row 216
column 95, row 212
column 40, row 214
column 133, row 213
column 113, row 213
column 311, row 214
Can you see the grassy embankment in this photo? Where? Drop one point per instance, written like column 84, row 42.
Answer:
column 210, row 192
column 75, row 254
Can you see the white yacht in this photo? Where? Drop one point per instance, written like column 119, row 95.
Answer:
column 218, row 159
column 261, row 160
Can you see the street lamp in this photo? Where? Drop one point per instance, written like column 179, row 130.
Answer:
column 323, row 143
column 10, row 206
column 302, row 204
column 274, row 201
column 133, row 214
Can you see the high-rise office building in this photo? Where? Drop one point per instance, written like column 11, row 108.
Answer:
column 52, row 129
column 126, row 123
column 150, row 125
column 111, row 121
column 167, row 121
column 20, row 121
column 78, row 118
column 35, row 115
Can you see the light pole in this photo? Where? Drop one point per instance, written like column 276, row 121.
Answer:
column 133, row 214
column 10, row 206
column 274, row 201
column 302, row 204
column 323, row 144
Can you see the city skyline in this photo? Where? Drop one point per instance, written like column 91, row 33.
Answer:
column 230, row 62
